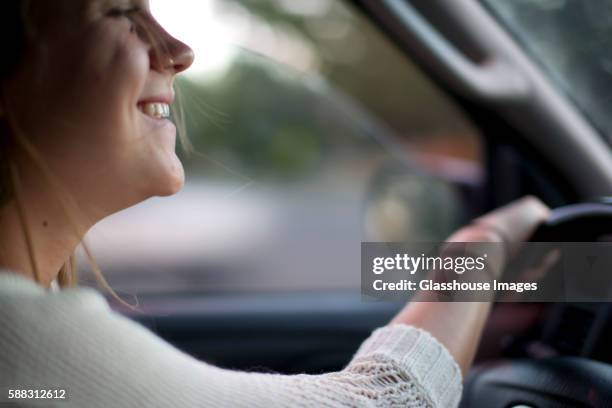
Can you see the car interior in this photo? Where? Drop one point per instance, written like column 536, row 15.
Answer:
column 329, row 123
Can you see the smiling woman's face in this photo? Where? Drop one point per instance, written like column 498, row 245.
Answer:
column 92, row 96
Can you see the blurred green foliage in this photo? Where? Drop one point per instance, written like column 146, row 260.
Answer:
column 261, row 119
column 253, row 120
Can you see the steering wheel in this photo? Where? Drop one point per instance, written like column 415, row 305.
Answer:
column 584, row 222
column 551, row 382
column 560, row 382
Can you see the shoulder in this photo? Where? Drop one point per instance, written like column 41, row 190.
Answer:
column 40, row 319
column 27, row 307
column 19, row 297
column 71, row 338
column 39, row 322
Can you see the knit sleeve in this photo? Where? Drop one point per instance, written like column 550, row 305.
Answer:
column 73, row 340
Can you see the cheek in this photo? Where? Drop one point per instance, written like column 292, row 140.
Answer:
column 81, row 114
column 114, row 77
column 101, row 99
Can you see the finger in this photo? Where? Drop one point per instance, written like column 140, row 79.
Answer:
column 515, row 222
column 508, row 225
column 536, row 273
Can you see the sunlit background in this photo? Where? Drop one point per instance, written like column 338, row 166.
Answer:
column 312, row 133
column 216, row 30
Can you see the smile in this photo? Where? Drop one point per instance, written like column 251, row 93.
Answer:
column 157, row 110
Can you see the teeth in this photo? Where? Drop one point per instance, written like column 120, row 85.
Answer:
column 155, row 109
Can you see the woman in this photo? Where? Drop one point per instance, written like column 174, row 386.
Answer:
column 86, row 87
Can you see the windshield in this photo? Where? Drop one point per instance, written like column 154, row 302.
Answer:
column 572, row 40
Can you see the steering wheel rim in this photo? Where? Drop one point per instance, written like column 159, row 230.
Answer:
column 557, row 381
column 583, row 222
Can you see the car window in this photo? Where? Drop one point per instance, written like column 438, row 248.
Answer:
column 311, row 133
column 571, row 41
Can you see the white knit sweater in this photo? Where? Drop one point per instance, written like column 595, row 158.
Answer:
column 72, row 339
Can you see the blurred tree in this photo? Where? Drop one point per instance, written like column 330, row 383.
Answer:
column 262, row 118
column 359, row 60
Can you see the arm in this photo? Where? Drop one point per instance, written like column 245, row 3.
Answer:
column 458, row 325
column 73, row 340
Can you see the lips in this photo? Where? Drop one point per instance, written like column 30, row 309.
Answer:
column 157, row 110
column 157, row 105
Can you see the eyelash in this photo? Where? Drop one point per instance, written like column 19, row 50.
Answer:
column 128, row 13
column 124, row 12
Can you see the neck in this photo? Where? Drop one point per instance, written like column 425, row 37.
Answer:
column 37, row 236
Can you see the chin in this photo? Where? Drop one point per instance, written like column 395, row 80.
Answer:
column 172, row 189
column 173, row 181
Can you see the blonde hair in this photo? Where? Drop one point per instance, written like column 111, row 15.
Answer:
column 22, row 31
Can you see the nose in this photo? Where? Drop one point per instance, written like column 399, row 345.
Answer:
column 180, row 56
column 170, row 54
